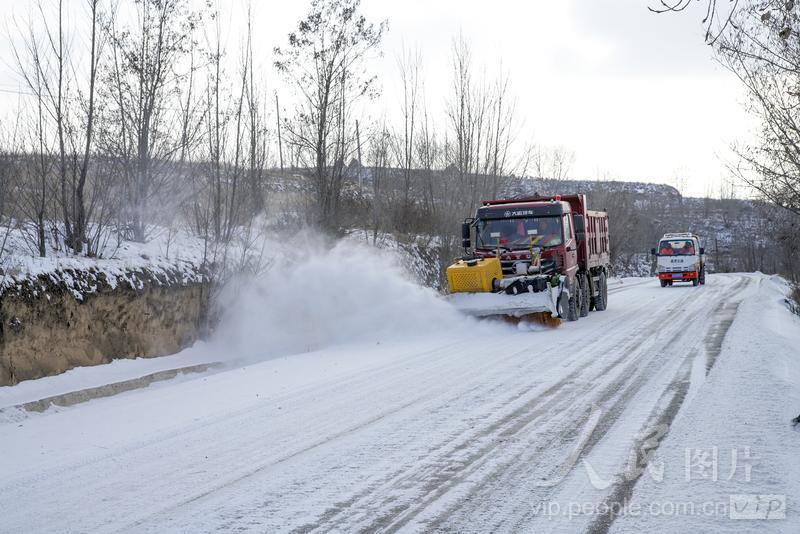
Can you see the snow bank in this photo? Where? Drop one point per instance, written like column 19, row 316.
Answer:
column 327, row 296
column 167, row 259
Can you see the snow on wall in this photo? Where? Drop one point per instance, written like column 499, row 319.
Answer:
column 164, row 261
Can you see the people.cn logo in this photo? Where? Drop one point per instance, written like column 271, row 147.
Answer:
column 508, row 214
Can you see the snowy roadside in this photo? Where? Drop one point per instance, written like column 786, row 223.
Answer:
column 81, row 378
column 730, row 459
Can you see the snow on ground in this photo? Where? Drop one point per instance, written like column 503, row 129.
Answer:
column 395, row 413
column 734, row 437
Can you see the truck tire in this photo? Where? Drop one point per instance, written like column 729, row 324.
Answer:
column 583, row 282
column 568, row 306
column 562, row 305
column 664, row 283
column 601, row 300
column 696, row 281
column 573, row 307
column 703, row 276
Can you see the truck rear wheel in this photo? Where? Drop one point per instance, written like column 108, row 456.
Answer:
column 601, row 300
column 664, row 283
column 703, row 276
column 696, row 281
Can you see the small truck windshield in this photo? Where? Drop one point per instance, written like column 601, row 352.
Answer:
column 520, row 233
column 676, row 247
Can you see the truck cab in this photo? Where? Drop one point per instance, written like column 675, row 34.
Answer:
column 515, row 230
column 680, row 258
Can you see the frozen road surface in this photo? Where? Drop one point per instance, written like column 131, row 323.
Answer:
column 659, row 414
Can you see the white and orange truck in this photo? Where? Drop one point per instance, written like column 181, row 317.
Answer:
column 680, row 258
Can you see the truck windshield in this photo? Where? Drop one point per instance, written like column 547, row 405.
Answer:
column 676, row 247
column 519, row 233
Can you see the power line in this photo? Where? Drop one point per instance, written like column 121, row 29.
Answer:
column 16, row 91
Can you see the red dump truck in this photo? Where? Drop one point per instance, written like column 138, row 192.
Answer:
column 545, row 255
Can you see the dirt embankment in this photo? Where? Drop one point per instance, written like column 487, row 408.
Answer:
column 48, row 327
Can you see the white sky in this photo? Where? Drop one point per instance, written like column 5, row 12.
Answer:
column 636, row 96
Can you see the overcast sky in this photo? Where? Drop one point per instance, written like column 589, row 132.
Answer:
column 636, row 96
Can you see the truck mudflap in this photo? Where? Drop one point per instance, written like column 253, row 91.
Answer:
column 519, row 305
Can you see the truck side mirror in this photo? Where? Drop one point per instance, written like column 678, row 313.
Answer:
column 653, row 252
column 702, row 250
column 466, row 235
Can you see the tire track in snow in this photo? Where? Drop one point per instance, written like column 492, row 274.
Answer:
column 653, row 366
column 633, row 382
column 514, row 422
column 489, row 364
column 420, row 370
column 673, row 398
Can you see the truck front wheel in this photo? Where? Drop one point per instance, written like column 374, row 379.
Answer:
column 568, row 306
column 583, row 281
column 574, row 304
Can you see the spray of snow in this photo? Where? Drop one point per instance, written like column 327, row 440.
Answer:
column 318, row 296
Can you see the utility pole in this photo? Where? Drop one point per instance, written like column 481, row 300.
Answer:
column 280, row 143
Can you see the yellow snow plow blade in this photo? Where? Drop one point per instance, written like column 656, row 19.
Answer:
column 544, row 318
column 474, row 276
column 476, row 288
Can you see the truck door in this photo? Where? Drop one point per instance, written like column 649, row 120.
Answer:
column 570, row 247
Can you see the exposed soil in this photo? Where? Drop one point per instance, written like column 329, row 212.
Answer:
column 46, row 329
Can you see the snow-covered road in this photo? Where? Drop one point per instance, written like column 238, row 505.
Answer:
column 490, row 429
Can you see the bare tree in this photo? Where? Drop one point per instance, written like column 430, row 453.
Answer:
column 552, row 163
column 9, row 184
column 141, row 91
column 34, row 64
column 257, row 133
column 461, row 112
column 409, row 64
column 714, row 20
column 767, row 61
column 380, row 158
column 82, row 212
column 324, row 60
